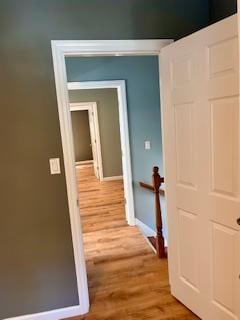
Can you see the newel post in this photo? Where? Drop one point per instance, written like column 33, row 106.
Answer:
column 157, row 181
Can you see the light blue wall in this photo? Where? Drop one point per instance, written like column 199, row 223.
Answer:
column 142, row 80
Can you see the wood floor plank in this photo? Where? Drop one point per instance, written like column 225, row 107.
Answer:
column 126, row 280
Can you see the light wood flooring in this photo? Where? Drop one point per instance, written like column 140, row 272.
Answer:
column 126, row 280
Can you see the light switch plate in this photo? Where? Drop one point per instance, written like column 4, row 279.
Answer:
column 147, row 145
column 55, row 166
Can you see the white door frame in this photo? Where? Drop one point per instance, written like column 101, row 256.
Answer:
column 124, row 136
column 78, row 48
column 91, row 107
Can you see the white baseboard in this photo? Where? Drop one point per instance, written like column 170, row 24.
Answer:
column 52, row 315
column 145, row 230
column 78, row 163
column 112, row 178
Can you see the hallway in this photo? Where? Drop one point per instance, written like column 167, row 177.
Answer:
column 126, row 280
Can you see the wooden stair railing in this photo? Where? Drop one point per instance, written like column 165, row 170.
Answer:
column 155, row 187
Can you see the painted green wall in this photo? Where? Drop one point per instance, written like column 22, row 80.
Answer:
column 108, row 118
column 37, row 270
column 220, row 9
column 81, row 135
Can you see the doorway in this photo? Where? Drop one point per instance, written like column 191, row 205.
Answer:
column 112, row 133
column 62, row 49
column 101, row 187
column 101, row 200
column 86, row 136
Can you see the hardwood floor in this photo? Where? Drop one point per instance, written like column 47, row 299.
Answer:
column 126, row 280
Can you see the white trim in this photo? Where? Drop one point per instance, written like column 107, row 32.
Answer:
column 85, row 48
column 61, row 49
column 124, row 136
column 51, row 315
column 145, row 230
column 113, row 178
column 70, row 172
column 92, row 107
column 83, row 162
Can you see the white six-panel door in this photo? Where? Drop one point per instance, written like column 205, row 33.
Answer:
column 201, row 124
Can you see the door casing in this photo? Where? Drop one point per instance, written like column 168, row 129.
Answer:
column 81, row 48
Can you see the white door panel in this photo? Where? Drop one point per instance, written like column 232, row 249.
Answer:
column 200, row 106
column 188, row 256
column 224, row 269
column 224, row 128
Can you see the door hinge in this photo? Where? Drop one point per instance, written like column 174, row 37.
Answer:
column 77, row 202
column 125, row 200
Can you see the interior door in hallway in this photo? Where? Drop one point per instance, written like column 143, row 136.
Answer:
column 200, row 104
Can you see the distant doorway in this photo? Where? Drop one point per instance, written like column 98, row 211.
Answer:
column 120, row 87
column 86, row 136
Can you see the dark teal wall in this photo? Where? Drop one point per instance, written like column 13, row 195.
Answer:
column 220, row 9
column 142, row 81
column 37, row 269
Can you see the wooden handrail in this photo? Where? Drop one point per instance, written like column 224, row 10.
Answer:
column 146, row 186
column 149, row 187
column 157, row 181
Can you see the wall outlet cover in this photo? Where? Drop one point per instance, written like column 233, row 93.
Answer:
column 55, row 166
column 147, row 145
